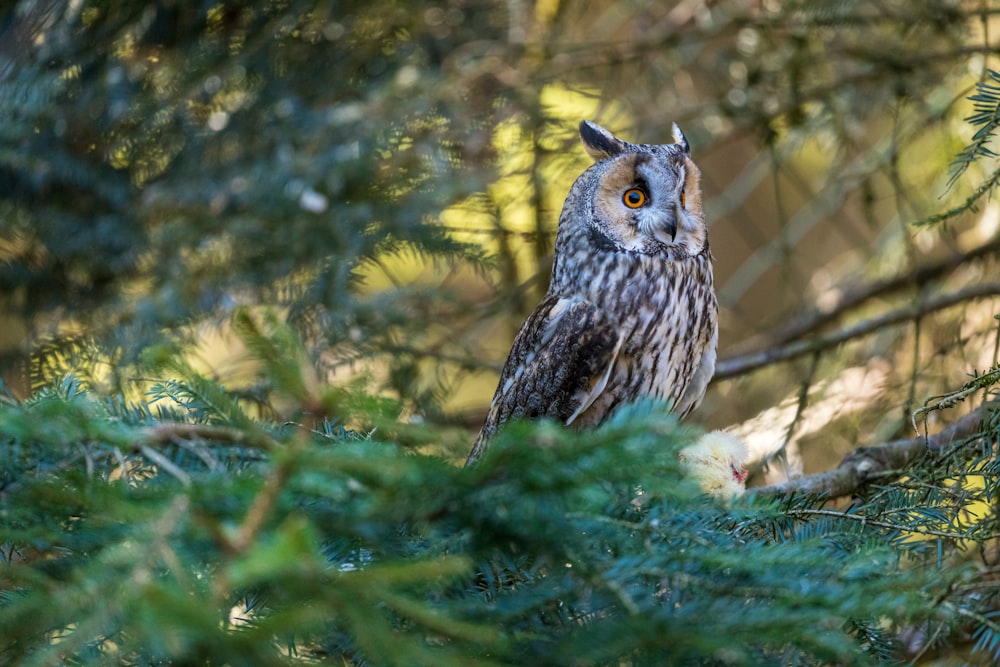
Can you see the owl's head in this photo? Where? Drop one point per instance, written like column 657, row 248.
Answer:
column 643, row 198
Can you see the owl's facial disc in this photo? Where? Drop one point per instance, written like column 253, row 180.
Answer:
column 647, row 199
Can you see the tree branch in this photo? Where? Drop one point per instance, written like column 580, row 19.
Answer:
column 858, row 295
column 866, row 463
column 750, row 362
column 166, row 433
column 861, row 518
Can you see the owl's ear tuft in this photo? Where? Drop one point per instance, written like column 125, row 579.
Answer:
column 598, row 142
column 681, row 140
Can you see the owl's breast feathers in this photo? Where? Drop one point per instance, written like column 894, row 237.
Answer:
column 577, row 358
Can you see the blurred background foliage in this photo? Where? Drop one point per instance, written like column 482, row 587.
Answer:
column 388, row 175
column 253, row 256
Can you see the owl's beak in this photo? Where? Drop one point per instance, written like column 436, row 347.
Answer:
column 662, row 225
column 664, row 229
column 671, row 228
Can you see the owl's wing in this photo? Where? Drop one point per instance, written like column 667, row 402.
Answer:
column 558, row 365
column 695, row 389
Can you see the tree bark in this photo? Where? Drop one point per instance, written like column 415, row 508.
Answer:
column 866, row 463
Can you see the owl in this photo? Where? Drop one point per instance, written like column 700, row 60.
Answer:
column 631, row 310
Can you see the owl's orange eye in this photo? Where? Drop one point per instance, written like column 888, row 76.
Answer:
column 683, row 200
column 634, row 198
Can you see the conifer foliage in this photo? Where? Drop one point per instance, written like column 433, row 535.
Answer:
column 169, row 169
column 203, row 535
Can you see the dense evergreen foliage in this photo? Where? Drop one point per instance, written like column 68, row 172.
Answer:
column 163, row 164
column 347, row 194
column 213, row 537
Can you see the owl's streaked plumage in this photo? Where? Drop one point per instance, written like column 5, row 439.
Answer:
column 631, row 310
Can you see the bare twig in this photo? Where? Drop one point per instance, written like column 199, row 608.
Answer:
column 944, row 401
column 803, row 402
column 864, row 464
column 750, row 362
column 174, row 432
column 261, row 507
column 862, row 294
column 166, row 464
column 166, row 433
column 984, row 188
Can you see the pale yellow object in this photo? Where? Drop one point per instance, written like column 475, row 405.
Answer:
column 716, row 463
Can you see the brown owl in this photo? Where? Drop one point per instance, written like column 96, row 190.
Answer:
column 631, row 311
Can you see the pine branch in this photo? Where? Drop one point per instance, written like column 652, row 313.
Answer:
column 867, row 463
column 866, row 520
column 987, row 114
column 985, row 188
column 944, row 401
column 751, row 362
